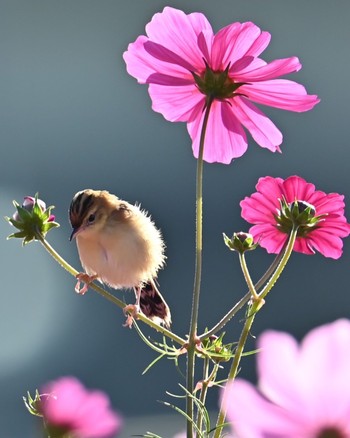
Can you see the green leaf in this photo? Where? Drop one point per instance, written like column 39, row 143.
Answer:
column 184, row 414
column 153, row 363
column 149, row 435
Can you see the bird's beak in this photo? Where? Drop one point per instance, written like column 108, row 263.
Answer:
column 74, row 233
column 77, row 230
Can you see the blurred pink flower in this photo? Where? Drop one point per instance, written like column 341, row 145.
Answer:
column 322, row 233
column 69, row 407
column 184, row 62
column 304, row 390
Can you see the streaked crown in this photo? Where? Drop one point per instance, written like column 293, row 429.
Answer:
column 81, row 206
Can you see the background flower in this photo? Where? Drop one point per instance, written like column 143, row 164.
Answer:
column 70, row 408
column 185, row 64
column 304, row 390
column 263, row 209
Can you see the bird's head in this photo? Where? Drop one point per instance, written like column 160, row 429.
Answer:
column 89, row 212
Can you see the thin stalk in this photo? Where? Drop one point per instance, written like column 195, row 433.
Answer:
column 252, row 311
column 204, row 391
column 282, row 264
column 235, row 364
column 247, row 277
column 244, row 300
column 192, row 341
column 60, row 260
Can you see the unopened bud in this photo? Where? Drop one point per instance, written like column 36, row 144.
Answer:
column 240, row 242
column 32, row 220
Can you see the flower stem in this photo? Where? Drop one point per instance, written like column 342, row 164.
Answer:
column 60, row 260
column 203, row 391
column 258, row 285
column 247, row 277
column 252, row 311
column 282, row 264
column 192, row 341
column 207, row 379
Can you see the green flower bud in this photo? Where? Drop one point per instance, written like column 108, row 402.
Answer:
column 32, row 219
column 216, row 349
column 240, row 242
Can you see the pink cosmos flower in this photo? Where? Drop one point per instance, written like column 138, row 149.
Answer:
column 321, row 218
column 186, row 65
column 303, row 390
column 70, row 408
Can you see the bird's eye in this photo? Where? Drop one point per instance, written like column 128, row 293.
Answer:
column 91, row 218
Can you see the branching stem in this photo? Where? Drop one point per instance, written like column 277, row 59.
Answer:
column 253, row 309
column 193, row 340
column 60, row 260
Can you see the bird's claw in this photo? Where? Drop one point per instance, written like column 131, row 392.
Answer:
column 131, row 312
column 84, row 278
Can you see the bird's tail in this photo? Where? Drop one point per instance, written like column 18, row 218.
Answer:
column 153, row 305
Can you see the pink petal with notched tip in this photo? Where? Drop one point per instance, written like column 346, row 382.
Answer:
column 179, row 33
column 280, row 93
column 264, row 132
column 272, row 70
column 165, row 101
column 221, row 143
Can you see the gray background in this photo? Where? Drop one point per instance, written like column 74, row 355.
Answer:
column 72, row 118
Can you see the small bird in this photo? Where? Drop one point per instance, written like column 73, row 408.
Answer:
column 119, row 245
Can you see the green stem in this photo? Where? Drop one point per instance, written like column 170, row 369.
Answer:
column 247, row 277
column 106, row 294
column 252, row 311
column 192, row 341
column 244, row 300
column 235, row 364
column 282, row 264
column 205, row 385
column 203, row 390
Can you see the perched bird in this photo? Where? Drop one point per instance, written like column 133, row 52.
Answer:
column 120, row 246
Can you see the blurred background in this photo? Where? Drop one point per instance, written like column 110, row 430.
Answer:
column 72, row 118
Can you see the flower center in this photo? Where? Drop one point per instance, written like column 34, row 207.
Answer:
column 330, row 432
column 216, row 85
column 297, row 214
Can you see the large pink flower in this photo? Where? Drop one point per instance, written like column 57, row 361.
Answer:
column 323, row 229
column 184, row 64
column 69, row 407
column 303, row 390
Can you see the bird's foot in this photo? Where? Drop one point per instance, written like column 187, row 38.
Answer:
column 84, row 278
column 131, row 312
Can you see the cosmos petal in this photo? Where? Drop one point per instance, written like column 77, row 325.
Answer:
column 176, row 54
column 303, row 388
column 262, row 208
